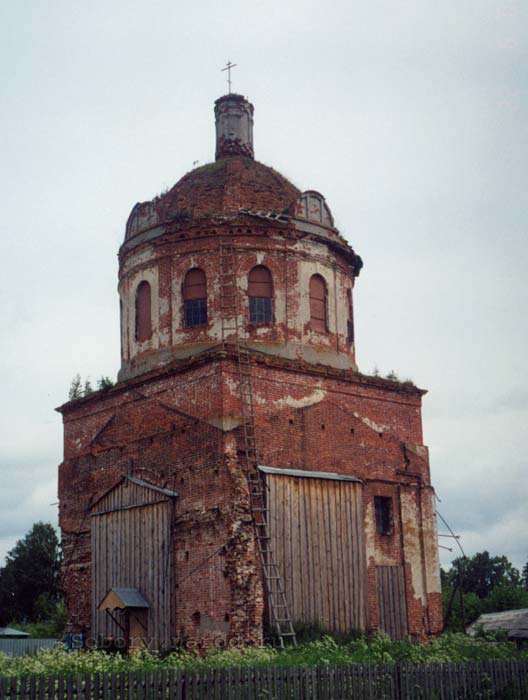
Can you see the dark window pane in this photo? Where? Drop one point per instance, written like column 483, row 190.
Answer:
column 260, row 310
column 383, row 509
column 195, row 313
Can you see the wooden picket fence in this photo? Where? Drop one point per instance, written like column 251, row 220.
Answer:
column 491, row 680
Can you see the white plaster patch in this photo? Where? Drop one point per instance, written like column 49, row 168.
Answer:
column 232, row 385
column 216, row 330
column 140, row 258
column 371, row 424
column 279, row 305
column 313, row 398
column 163, row 305
column 432, row 560
column 419, row 450
column 124, row 322
column 368, row 523
column 411, row 540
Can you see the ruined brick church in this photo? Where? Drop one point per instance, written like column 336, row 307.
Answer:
column 241, row 445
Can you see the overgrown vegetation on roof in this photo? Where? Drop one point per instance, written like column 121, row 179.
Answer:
column 78, row 389
column 210, row 167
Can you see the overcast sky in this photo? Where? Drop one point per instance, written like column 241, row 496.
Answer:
column 409, row 116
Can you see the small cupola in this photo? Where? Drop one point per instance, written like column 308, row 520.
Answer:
column 234, row 126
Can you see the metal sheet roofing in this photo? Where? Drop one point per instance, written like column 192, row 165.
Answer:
column 129, row 597
column 10, row 632
column 514, row 622
column 309, row 474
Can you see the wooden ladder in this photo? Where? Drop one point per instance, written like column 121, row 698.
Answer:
column 276, row 597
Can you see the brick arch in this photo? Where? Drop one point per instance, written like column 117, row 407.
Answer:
column 260, row 282
column 194, row 284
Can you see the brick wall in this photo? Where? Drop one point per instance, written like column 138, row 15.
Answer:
column 178, row 428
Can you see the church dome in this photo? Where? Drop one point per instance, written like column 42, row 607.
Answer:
column 223, row 187
column 235, row 251
column 233, row 182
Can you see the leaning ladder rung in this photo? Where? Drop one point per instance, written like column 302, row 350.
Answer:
column 257, row 487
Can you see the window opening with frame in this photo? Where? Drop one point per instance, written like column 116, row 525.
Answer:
column 260, row 293
column 195, row 299
column 384, row 515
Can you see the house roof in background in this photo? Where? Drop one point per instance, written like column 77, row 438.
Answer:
column 10, row 632
column 514, row 622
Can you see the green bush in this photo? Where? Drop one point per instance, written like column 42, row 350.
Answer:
column 50, row 628
column 473, row 608
column 506, row 598
column 378, row 649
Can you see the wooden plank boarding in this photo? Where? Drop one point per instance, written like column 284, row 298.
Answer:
column 131, row 547
column 317, row 536
column 392, row 605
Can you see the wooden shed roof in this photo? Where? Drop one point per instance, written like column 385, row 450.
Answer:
column 514, row 622
column 309, row 474
column 137, row 482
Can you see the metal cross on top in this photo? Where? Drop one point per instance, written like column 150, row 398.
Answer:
column 228, row 69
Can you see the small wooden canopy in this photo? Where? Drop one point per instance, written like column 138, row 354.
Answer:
column 123, row 598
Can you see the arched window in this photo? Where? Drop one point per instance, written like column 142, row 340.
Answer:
column 143, row 312
column 318, row 321
column 195, row 298
column 260, row 292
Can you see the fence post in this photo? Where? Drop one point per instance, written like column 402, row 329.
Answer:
column 397, row 682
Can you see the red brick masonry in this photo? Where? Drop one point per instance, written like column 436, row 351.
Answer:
column 307, row 418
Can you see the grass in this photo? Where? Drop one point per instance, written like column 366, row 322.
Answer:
column 362, row 650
